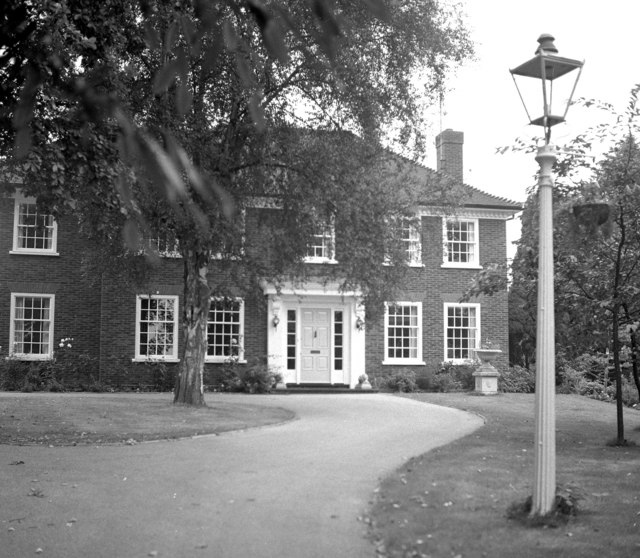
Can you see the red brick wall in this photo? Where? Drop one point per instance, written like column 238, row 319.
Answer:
column 77, row 301
column 101, row 318
column 435, row 286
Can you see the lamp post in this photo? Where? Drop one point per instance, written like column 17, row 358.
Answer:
column 550, row 69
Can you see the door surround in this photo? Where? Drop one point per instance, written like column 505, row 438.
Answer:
column 285, row 305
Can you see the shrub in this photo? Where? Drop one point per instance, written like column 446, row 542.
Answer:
column 446, row 382
column 454, row 377
column 425, row 381
column 229, row 379
column 259, row 378
column 517, row 379
column 42, row 376
column 12, row 373
column 403, row 380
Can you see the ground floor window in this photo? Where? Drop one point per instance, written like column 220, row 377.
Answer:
column 462, row 331
column 32, row 326
column 403, row 333
column 225, row 329
column 157, row 327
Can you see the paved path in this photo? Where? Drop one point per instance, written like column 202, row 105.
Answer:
column 289, row 491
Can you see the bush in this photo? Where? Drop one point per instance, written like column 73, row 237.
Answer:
column 454, row 377
column 229, row 379
column 517, row 379
column 67, row 369
column 12, row 373
column 426, row 381
column 585, row 375
column 259, row 378
column 445, row 383
column 403, row 380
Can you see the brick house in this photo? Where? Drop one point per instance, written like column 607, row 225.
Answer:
column 313, row 334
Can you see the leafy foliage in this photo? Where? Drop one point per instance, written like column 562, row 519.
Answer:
column 260, row 378
column 142, row 118
column 403, row 380
column 517, row 379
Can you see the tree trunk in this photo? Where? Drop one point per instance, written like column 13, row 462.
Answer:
column 618, row 372
column 634, row 360
column 189, row 389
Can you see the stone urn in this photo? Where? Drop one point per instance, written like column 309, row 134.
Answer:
column 486, row 375
column 363, row 382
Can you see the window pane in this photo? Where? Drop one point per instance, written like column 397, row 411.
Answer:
column 31, row 325
column 157, row 327
column 223, row 328
column 461, row 332
column 402, row 342
column 34, row 230
column 460, row 242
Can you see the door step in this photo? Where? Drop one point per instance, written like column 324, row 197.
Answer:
column 321, row 388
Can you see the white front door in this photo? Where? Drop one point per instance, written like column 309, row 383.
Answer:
column 316, row 345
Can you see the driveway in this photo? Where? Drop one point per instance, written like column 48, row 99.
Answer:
column 290, row 490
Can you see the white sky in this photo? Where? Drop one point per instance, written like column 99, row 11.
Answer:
column 483, row 101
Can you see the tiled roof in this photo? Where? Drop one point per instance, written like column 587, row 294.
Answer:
column 478, row 198
column 470, row 195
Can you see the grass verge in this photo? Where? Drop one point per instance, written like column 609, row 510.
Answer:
column 63, row 419
column 454, row 501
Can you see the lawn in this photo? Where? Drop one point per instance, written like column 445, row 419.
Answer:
column 453, row 502
column 59, row 419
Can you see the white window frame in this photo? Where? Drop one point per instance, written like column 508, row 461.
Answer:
column 474, row 262
column 173, row 356
column 412, row 237
column 324, row 238
column 240, row 340
column 419, row 334
column 20, row 201
column 471, row 350
column 12, row 328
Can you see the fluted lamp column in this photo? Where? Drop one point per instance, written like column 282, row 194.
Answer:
column 547, row 67
column 544, row 482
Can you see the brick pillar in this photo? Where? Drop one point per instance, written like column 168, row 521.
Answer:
column 449, row 152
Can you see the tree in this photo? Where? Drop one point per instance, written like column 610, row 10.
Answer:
column 171, row 115
column 597, row 248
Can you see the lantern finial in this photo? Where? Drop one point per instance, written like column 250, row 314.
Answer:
column 546, row 43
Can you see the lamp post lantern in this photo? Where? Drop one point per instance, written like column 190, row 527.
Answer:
column 554, row 73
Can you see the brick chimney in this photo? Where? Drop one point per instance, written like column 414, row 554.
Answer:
column 449, row 153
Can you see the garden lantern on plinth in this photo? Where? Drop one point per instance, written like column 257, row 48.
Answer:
column 556, row 76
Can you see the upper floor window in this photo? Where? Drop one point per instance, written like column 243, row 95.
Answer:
column 232, row 239
column 165, row 244
column 403, row 333
column 225, row 329
column 462, row 331
column 412, row 239
column 460, row 242
column 34, row 232
column 32, row 326
column 157, row 327
column 322, row 246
